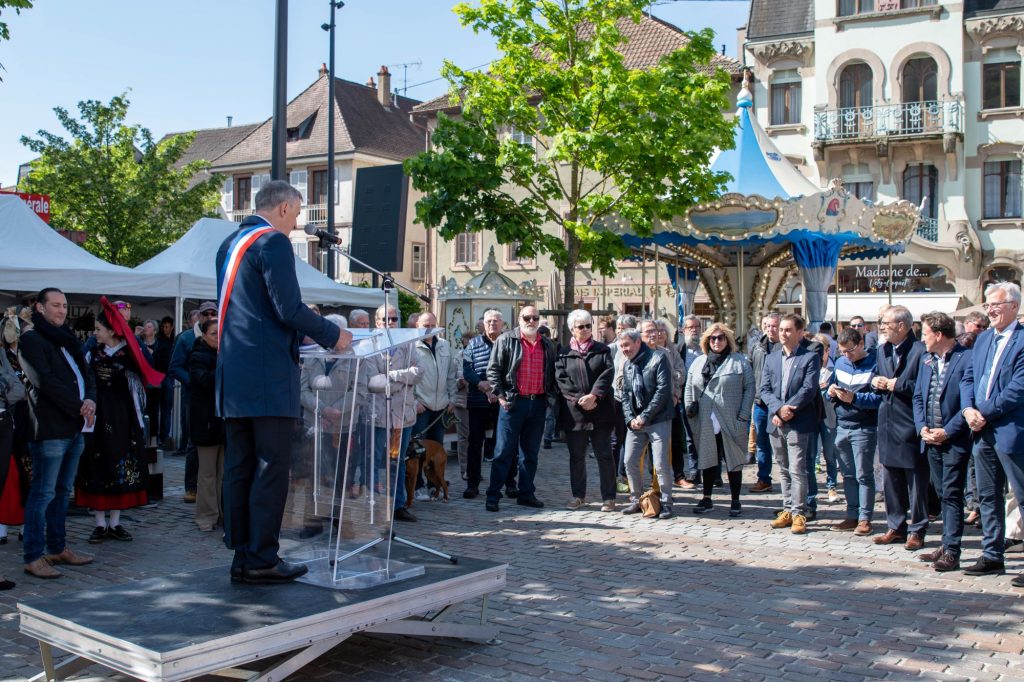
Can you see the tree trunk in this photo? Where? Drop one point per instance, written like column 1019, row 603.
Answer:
column 572, row 245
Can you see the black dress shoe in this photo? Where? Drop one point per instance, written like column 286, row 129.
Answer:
column 403, row 514
column 491, row 506
column 511, row 493
column 470, row 493
column 236, row 575
column 281, row 572
column 1018, row 581
column 530, row 502
column 985, row 566
column 6, row 585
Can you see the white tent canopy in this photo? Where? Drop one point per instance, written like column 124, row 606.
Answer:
column 189, row 269
column 33, row 256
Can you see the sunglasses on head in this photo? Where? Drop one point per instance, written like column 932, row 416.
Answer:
column 530, row 318
column 584, row 326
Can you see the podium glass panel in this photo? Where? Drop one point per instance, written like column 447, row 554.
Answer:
column 345, row 461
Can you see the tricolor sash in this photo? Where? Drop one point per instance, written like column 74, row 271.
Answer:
column 246, row 238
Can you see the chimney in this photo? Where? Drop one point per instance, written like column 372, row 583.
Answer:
column 229, row 121
column 384, row 91
column 323, row 70
column 370, row 83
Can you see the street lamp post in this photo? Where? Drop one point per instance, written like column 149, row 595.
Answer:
column 329, row 27
column 279, row 128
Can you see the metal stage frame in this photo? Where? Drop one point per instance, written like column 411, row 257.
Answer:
column 191, row 624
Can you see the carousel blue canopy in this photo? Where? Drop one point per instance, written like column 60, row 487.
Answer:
column 771, row 211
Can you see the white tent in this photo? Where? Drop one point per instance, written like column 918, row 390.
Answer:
column 34, row 256
column 189, row 268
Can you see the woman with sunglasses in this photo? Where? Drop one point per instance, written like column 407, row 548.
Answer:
column 718, row 399
column 584, row 371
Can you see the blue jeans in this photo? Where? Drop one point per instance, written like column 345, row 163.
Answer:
column 764, row 445
column 949, row 473
column 855, row 452
column 519, row 432
column 380, row 450
column 54, row 465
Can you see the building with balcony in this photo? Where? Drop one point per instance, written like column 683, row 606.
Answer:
column 372, row 127
column 910, row 99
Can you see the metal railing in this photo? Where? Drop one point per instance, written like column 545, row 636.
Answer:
column 928, row 229
column 239, row 215
column 316, row 214
column 909, row 118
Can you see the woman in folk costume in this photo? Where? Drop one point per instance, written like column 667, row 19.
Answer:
column 718, row 398
column 15, row 490
column 12, row 395
column 112, row 474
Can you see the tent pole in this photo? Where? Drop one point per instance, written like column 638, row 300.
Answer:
column 741, row 322
column 179, row 317
column 643, row 282
column 657, row 266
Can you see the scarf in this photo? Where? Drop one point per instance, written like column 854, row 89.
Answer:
column 711, row 365
column 639, row 390
column 121, row 328
column 62, row 337
column 581, row 348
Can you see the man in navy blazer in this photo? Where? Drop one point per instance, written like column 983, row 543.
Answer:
column 945, row 438
column 789, row 390
column 992, row 394
column 899, row 447
column 262, row 321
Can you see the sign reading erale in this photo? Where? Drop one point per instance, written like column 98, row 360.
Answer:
column 39, row 203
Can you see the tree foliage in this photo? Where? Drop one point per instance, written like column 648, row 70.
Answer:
column 114, row 182
column 609, row 140
column 17, row 6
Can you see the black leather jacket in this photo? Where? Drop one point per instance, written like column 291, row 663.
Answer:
column 507, row 354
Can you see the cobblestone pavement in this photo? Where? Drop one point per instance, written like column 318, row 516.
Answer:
column 602, row 596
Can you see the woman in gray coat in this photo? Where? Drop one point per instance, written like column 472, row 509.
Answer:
column 718, row 398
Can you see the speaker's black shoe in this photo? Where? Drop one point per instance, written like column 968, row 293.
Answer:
column 281, row 572
column 403, row 514
column 530, row 502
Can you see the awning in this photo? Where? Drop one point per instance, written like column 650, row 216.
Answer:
column 867, row 305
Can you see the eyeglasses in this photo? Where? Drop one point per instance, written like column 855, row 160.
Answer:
column 716, row 337
column 530, row 318
column 584, row 326
column 856, row 326
column 847, row 351
column 1000, row 304
column 209, row 313
column 390, row 319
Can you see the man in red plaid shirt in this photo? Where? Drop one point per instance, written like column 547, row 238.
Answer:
column 522, row 374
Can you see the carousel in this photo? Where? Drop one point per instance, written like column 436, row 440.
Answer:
column 771, row 223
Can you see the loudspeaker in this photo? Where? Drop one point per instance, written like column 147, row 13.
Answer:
column 378, row 218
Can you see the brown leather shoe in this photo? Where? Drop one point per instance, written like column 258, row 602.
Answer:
column 844, row 525
column 915, row 541
column 783, row 520
column 41, row 568
column 761, row 487
column 863, row 528
column 687, row 485
column 932, row 556
column 69, row 557
column 974, row 518
column 890, row 537
column 947, row 562
column 799, row 526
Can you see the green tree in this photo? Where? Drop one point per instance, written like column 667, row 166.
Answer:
column 17, row 6
column 118, row 185
column 610, row 140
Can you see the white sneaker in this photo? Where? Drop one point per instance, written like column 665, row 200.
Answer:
column 575, row 503
column 833, row 496
column 422, row 494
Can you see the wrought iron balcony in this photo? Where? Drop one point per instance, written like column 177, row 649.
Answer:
column 909, row 119
column 928, row 229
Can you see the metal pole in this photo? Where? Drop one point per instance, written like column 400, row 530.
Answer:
column 330, row 145
column 835, row 326
column 643, row 282
column 279, row 130
column 741, row 323
column 890, row 278
column 657, row 267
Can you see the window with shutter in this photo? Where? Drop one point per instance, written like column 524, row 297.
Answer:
column 227, row 194
column 419, row 262
column 298, row 181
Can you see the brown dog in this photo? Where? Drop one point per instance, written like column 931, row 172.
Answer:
column 430, row 456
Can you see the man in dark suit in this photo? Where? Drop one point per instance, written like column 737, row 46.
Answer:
column 899, row 447
column 945, row 438
column 262, row 321
column 789, row 390
column 993, row 402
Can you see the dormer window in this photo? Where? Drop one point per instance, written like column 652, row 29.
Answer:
column 303, row 130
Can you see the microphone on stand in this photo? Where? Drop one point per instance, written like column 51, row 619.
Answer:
column 324, row 236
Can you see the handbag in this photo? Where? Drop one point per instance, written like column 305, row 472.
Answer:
column 650, row 501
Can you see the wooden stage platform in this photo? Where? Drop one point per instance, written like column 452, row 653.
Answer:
column 190, row 624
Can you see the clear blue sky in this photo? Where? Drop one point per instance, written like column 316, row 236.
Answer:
column 191, row 63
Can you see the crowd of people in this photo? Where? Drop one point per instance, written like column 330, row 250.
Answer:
column 926, row 416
